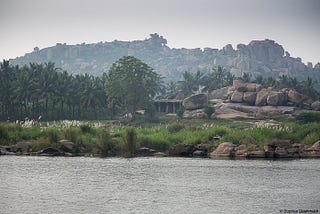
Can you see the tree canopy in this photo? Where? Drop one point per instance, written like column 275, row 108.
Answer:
column 130, row 85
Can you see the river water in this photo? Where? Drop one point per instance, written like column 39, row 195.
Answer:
column 156, row 185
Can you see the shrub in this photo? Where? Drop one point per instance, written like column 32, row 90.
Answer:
column 85, row 128
column 40, row 144
column 310, row 139
column 175, row 127
column 4, row 137
column 154, row 142
column 180, row 112
column 209, row 110
column 308, row 117
column 105, row 144
column 72, row 134
column 52, row 135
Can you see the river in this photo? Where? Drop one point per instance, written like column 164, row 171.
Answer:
column 32, row 184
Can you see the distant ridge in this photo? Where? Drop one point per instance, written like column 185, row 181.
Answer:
column 259, row 57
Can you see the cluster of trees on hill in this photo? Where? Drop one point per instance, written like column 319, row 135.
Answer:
column 44, row 91
column 220, row 77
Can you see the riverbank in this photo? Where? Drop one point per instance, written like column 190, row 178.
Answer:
column 175, row 137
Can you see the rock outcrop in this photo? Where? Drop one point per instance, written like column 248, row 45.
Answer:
column 254, row 94
column 316, row 105
column 259, row 57
column 225, row 149
column 197, row 101
column 274, row 149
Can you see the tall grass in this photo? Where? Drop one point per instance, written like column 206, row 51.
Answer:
column 124, row 140
column 130, row 141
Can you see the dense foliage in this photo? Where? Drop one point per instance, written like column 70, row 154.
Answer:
column 43, row 91
column 130, row 85
column 107, row 139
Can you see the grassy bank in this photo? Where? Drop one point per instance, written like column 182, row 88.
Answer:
column 111, row 138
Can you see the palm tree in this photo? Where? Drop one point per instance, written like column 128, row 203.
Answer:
column 191, row 82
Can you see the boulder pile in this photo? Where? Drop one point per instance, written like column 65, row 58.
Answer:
column 255, row 95
column 274, row 149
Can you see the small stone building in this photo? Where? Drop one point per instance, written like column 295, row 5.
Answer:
column 168, row 106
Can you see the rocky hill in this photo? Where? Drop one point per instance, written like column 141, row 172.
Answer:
column 258, row 57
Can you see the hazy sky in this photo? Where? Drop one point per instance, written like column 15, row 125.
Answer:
column 295, row 24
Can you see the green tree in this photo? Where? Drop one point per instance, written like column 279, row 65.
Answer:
column 130, row 85
column 218, row 78
column 191, row 82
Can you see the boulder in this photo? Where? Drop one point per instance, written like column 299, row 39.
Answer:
column 199, row 153
column 49, row 152
column 230, row 91
column 269, row 151
column 68, row 146
column 237, row 97
column 225, row 149
column 184, row 150
column 315, row 146
column 22, row 146
column 198, row 113
column 281, row 152
column 221, row 93
column 145, row 151
column 261, row 99
column 295, row 97
column 249, row 97
column 6, row 150
column 241, row 151
column 253, row 87
column 276, row 98
column 294, row 152
column 316, row 105
column 159, row 154
column 239, row 86
column 280, row 143
column 227, row 111
column 256, row 154
column 202, row 147
column 195, row 102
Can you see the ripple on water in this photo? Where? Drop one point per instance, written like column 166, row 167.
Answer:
column 156, row 185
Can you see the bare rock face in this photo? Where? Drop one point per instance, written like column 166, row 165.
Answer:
column 253, row 87
column 239, row 86
column 276, row 98
column 316, row 105
column 261, row 99
column 315, row 146
column 295, row 97
column 249, row 97
column 237, row 97
column 221, row 93
column 198, row 113
column 195, row 102
column 225, row 149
